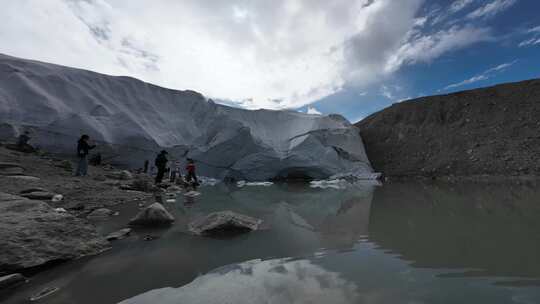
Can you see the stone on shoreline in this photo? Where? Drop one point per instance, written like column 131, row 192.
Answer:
column 152, row 215
column 224, row 222
column 32, row 233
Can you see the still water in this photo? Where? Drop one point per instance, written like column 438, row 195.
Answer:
column 395, row 243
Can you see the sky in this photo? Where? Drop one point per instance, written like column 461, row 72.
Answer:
column 351, row 57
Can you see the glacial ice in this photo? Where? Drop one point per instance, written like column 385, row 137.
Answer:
column 131, row 121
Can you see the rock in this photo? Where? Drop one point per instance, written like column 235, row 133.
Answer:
column 57, row 198
column 174, row 189
column 127, row 187
column 100, row 213
column 65, row 164
column 120, row 175
column 11, row 280
column 61, row 210
column 11, row 169
column 39, row 195
column 118, row 235
column 100, row 178
column 224, row 222
column 143, row 182
column 35, row 189
column 44, row 293
column 6, row 170
column 24, row 177
column 192, row 194
column 152, row 215
column 32, row 233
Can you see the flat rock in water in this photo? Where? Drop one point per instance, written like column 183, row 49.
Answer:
column 152, row 215
column 118, row 235
column 223, row 222
column 11, row 280
column 39, row 195
column 32, row 233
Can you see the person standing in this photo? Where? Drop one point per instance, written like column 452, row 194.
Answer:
column 23, row 140
column 161, row 165
column 83, row 148
column 191, row 175
column 146, row 163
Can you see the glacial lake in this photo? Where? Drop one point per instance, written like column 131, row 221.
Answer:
column 413, row 242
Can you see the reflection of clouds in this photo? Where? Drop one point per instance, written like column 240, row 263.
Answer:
column 273, row 281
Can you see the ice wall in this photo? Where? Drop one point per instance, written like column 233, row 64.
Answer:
column 131, row 120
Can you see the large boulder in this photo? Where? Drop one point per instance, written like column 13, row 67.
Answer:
column 224, row 222
column 32, row 233
column 152, row 215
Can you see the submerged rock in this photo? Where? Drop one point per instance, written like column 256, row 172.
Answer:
column 32, row 233
column 152, row 215
column 224, row 222
column 11, row 280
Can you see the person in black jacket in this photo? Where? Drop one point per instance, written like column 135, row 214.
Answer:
column 83, row 148
column 161, row 165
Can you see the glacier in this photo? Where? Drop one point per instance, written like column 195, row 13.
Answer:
column 131, row 120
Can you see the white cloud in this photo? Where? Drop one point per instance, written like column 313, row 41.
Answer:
column 313, row 110
column 459, row 5
column 491, row 9
column 530, row 42
column 481, row 77
column 534, row 30
column 260, row 54
column 425, row 48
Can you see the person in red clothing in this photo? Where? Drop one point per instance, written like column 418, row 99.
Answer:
column 190, row 168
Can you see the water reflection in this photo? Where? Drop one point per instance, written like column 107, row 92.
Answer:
column 272, row 281
column 487, row 229
column 413, row 243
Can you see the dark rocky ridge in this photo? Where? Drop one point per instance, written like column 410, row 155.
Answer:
column 491, row 131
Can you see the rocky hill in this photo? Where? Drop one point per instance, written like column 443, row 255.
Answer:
column 492, row 131
column 131, row 120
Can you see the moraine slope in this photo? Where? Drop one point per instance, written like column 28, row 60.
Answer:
column 492, row 131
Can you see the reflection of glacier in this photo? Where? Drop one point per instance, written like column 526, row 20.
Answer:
column 274, row 281
column 132, row 120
